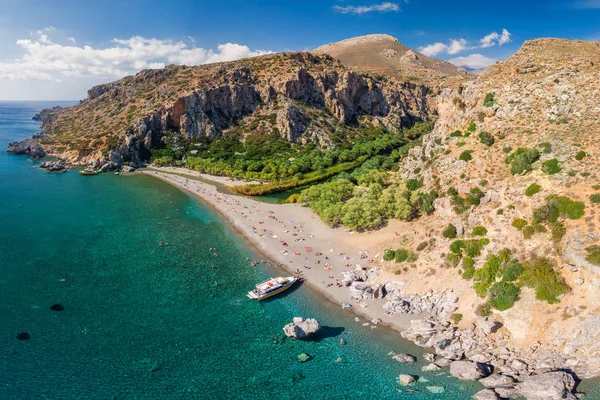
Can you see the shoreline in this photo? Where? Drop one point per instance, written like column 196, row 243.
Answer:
column 263, row 226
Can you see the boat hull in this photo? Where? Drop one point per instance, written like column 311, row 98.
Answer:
column 261, row 296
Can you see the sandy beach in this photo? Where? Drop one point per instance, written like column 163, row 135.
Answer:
column 295, row 238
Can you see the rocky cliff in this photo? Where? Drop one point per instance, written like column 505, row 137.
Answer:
column 303, row 97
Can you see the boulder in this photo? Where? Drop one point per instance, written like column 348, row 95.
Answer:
column 53, row 166
column 429, row 357
column 557, row 385
column 443, row 362
column 487, row 325
column 405, row 358
column 468, row 370
column 127, row 168
column 430, row 368
column 406, row 380
column 507, row 393
column 498, row 380
column 486, row 394
column 301, row 328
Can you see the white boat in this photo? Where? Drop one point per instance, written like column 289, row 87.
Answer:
column 272, row 287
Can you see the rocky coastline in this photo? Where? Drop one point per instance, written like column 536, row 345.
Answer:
column 477, row 351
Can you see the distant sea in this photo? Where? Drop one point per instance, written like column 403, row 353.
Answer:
column 170, row 321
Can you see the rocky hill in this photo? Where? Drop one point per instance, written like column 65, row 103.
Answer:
column 385, row 55
column 304, row 98
column 515, row 159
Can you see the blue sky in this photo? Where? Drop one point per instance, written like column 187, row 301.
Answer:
column 56, row 49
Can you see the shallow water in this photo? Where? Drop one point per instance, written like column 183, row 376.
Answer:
column 143, row 320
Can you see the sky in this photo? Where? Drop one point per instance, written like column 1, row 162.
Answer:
column 57, row 49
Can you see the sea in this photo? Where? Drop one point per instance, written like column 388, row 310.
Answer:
column 153, row 287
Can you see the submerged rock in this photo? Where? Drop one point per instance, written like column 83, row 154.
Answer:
column 301, row 328
column 303, row 357
column 23, row 336
column 406, row 380
column 405, row 358
column 436, row 389
column 57, row 307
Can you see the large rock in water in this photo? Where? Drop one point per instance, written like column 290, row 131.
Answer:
column 405, row 358
column 557, row 385
column 469, row 370
column 301, row 328
column 28, row 147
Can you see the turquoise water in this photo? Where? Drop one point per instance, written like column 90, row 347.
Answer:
column 142, row 320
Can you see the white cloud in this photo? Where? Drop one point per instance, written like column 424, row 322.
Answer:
column 489, row 40
column 383, row 7
column 504, row 38
column 457, row 45
column 49, row 61
column 433, row 49
column 72, row 39
column 474, row 61
column 493, row 38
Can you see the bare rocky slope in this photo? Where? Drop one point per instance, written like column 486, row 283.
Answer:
column 385, row 55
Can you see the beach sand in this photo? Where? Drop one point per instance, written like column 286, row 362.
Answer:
column 295, row 238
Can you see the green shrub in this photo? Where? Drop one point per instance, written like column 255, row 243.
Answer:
column 545, row 147
column 474, row 197
column 422, row 246
column 449, row 232
column 474, row 246
column 389, row 255
column 503, row 295
column 521, row 160
column 519, row 223
column 593, row 254
column 472, row 127
column 486, row 138
column 532, row 189
column 481, row 288
column 551, row 167
column 454, row 259
column 489, row 100
column 456, row 318
column 595, row 198
column 468, row 268
column 557, row 229
column 457, row 246
column 456, row 133
column 484, row 310
column 466, row 155
column 540, row 275
column 401, row 255
column 512, row 271
column 479, row 231
column 580, row 155
column 413, row 184
column 461, row 144
column 528, row 232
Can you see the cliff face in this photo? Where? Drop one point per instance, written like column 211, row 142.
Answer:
column 303, row 97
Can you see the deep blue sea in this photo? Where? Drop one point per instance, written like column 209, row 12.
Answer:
column 142, row 320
